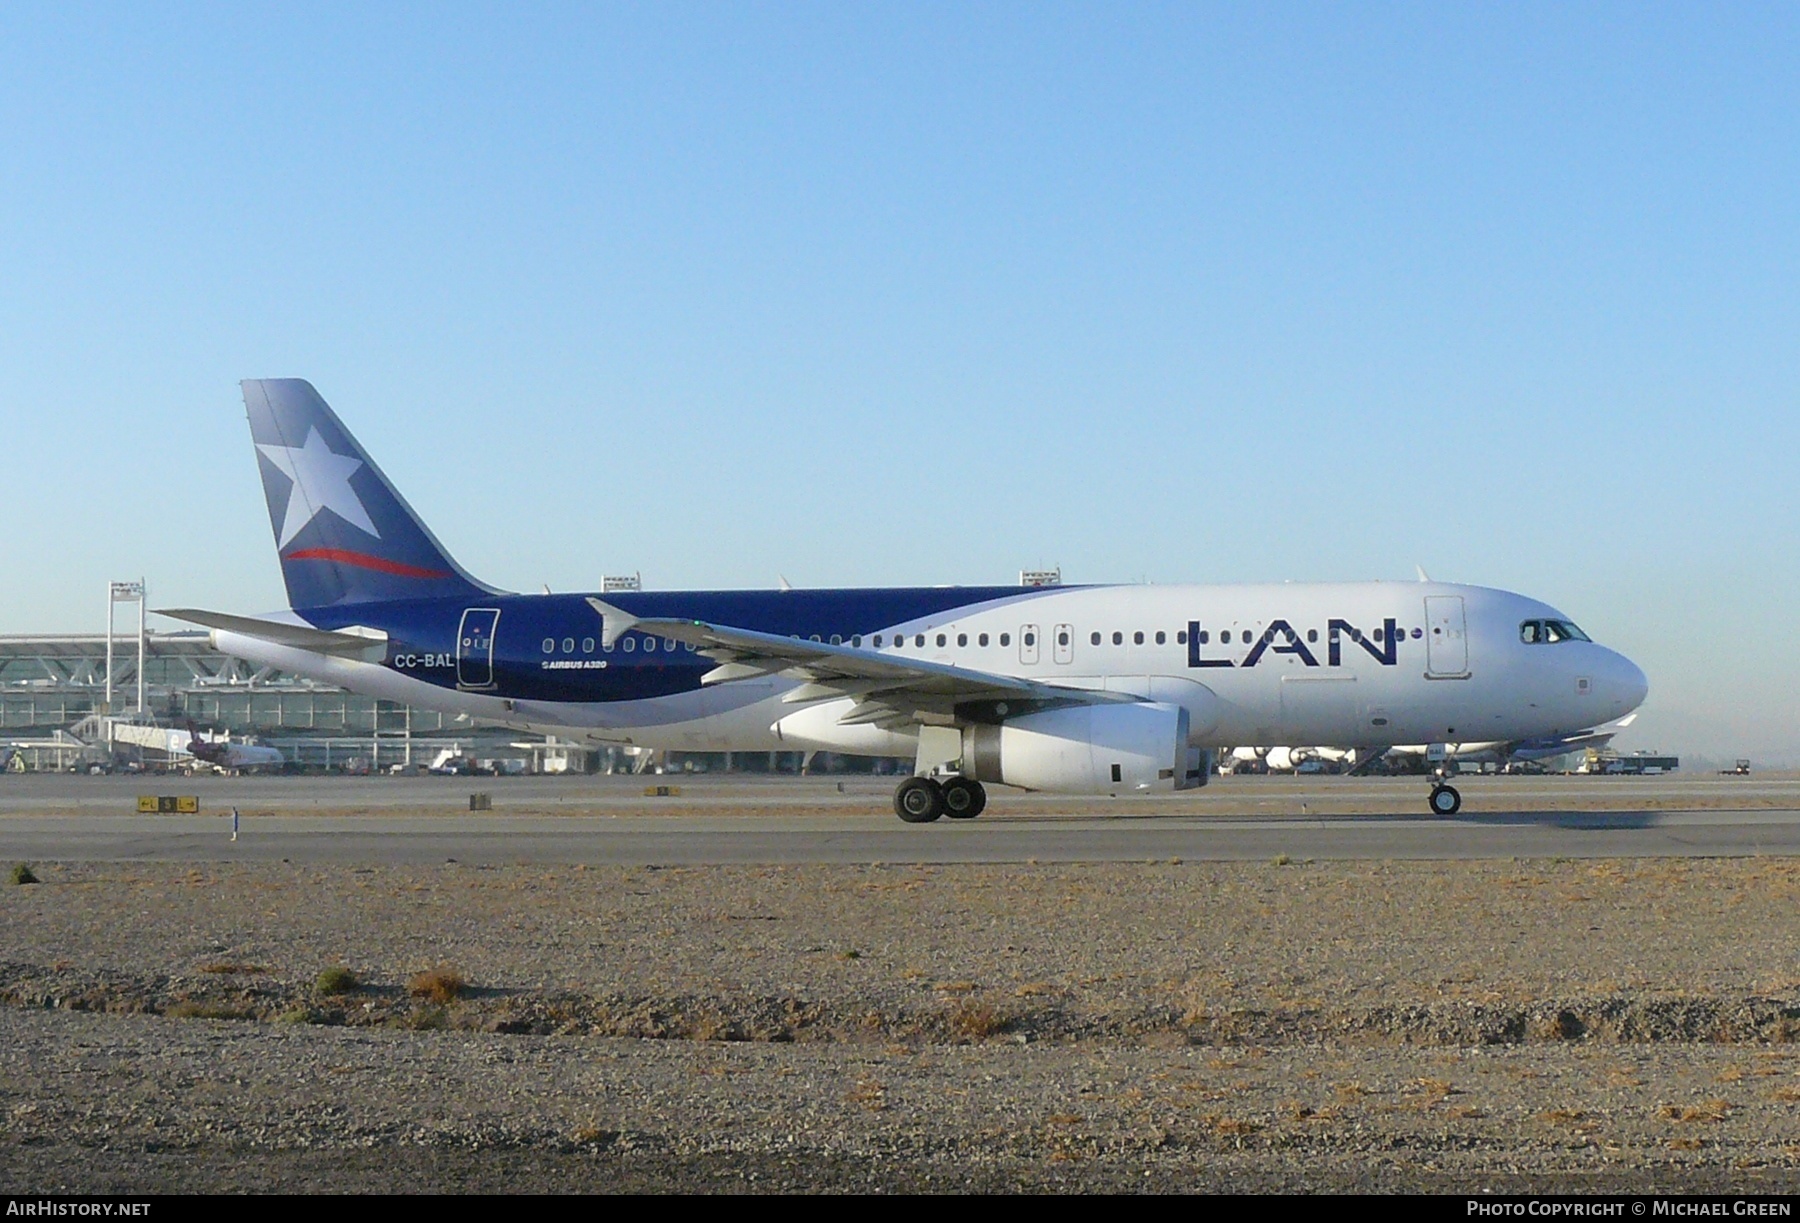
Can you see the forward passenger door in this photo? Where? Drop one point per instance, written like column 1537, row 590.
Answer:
column 1446, row 638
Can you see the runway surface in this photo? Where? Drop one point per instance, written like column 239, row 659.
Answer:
column 813, row 820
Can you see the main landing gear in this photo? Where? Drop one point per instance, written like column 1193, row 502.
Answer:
column 1445, row 800
column 920, row 800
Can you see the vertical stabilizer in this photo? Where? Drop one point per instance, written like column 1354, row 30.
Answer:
column 343, row 533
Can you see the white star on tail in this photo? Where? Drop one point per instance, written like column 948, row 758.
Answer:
column 321, row 479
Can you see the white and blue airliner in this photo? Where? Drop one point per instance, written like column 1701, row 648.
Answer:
column 1069, row 689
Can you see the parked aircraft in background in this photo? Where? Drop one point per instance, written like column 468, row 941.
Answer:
column 1417, row 756
column 1505, row 752
column 226, row 754
column 1081, row 690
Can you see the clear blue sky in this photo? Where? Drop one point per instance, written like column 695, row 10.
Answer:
column 893, row 294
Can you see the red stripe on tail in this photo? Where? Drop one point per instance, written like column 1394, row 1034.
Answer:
column 363, row 560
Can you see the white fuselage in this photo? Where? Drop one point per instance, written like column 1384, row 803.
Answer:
column 1252, row 664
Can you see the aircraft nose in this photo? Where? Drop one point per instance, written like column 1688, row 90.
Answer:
column 1629, row 684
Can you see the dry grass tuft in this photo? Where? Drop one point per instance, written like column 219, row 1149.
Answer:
column 337, row 980
column 1233, row 1127
column 21, row 874
column 441, row 985
column 708, row 1025
column 971, row 1019
column 223, row 969
column 191, row 1009
column 869, row 1093
column 1705, row 1111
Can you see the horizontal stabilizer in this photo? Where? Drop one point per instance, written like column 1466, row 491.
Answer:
column 353, row 642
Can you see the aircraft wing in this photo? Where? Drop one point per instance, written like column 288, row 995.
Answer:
column 889, row 689
column 356, row 643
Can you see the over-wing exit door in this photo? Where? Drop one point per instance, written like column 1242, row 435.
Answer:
column 475, row 647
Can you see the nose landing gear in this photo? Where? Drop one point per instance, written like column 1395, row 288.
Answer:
column 1445, row 800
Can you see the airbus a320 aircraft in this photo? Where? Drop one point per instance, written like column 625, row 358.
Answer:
column 1078, row 690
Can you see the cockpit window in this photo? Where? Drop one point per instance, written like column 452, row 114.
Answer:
column 1549, row 632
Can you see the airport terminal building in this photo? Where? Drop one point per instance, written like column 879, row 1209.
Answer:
column 59, row 711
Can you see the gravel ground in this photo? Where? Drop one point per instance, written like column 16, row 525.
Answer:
column 1439, row 1026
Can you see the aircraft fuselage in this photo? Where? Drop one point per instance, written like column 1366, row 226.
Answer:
column 1353, row 664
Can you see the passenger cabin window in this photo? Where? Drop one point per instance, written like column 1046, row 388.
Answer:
column 962, row 639
column 1030, row 639
column 1005, row 639
column 1137, row 638
column 1118, row 638
column 1161, row 637
column 1181, row 637
column 981, row 640
column 919, row 640
column 630, row 644
column 1062, row 638
column 1093, row 638
column 940, row 639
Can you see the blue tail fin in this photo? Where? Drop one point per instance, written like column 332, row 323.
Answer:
column 344, row 535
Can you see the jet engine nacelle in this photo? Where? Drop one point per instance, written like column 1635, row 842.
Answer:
column 1282, row 759
column 817, row 728
column 1088, row 749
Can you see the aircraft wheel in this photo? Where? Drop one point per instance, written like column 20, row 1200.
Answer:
column 964, row 799
column 1445, row 800
column 919, row 800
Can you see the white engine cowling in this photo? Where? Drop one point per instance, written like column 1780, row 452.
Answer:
column 1281, row 759
column 817, row 727
column 1088, row 749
